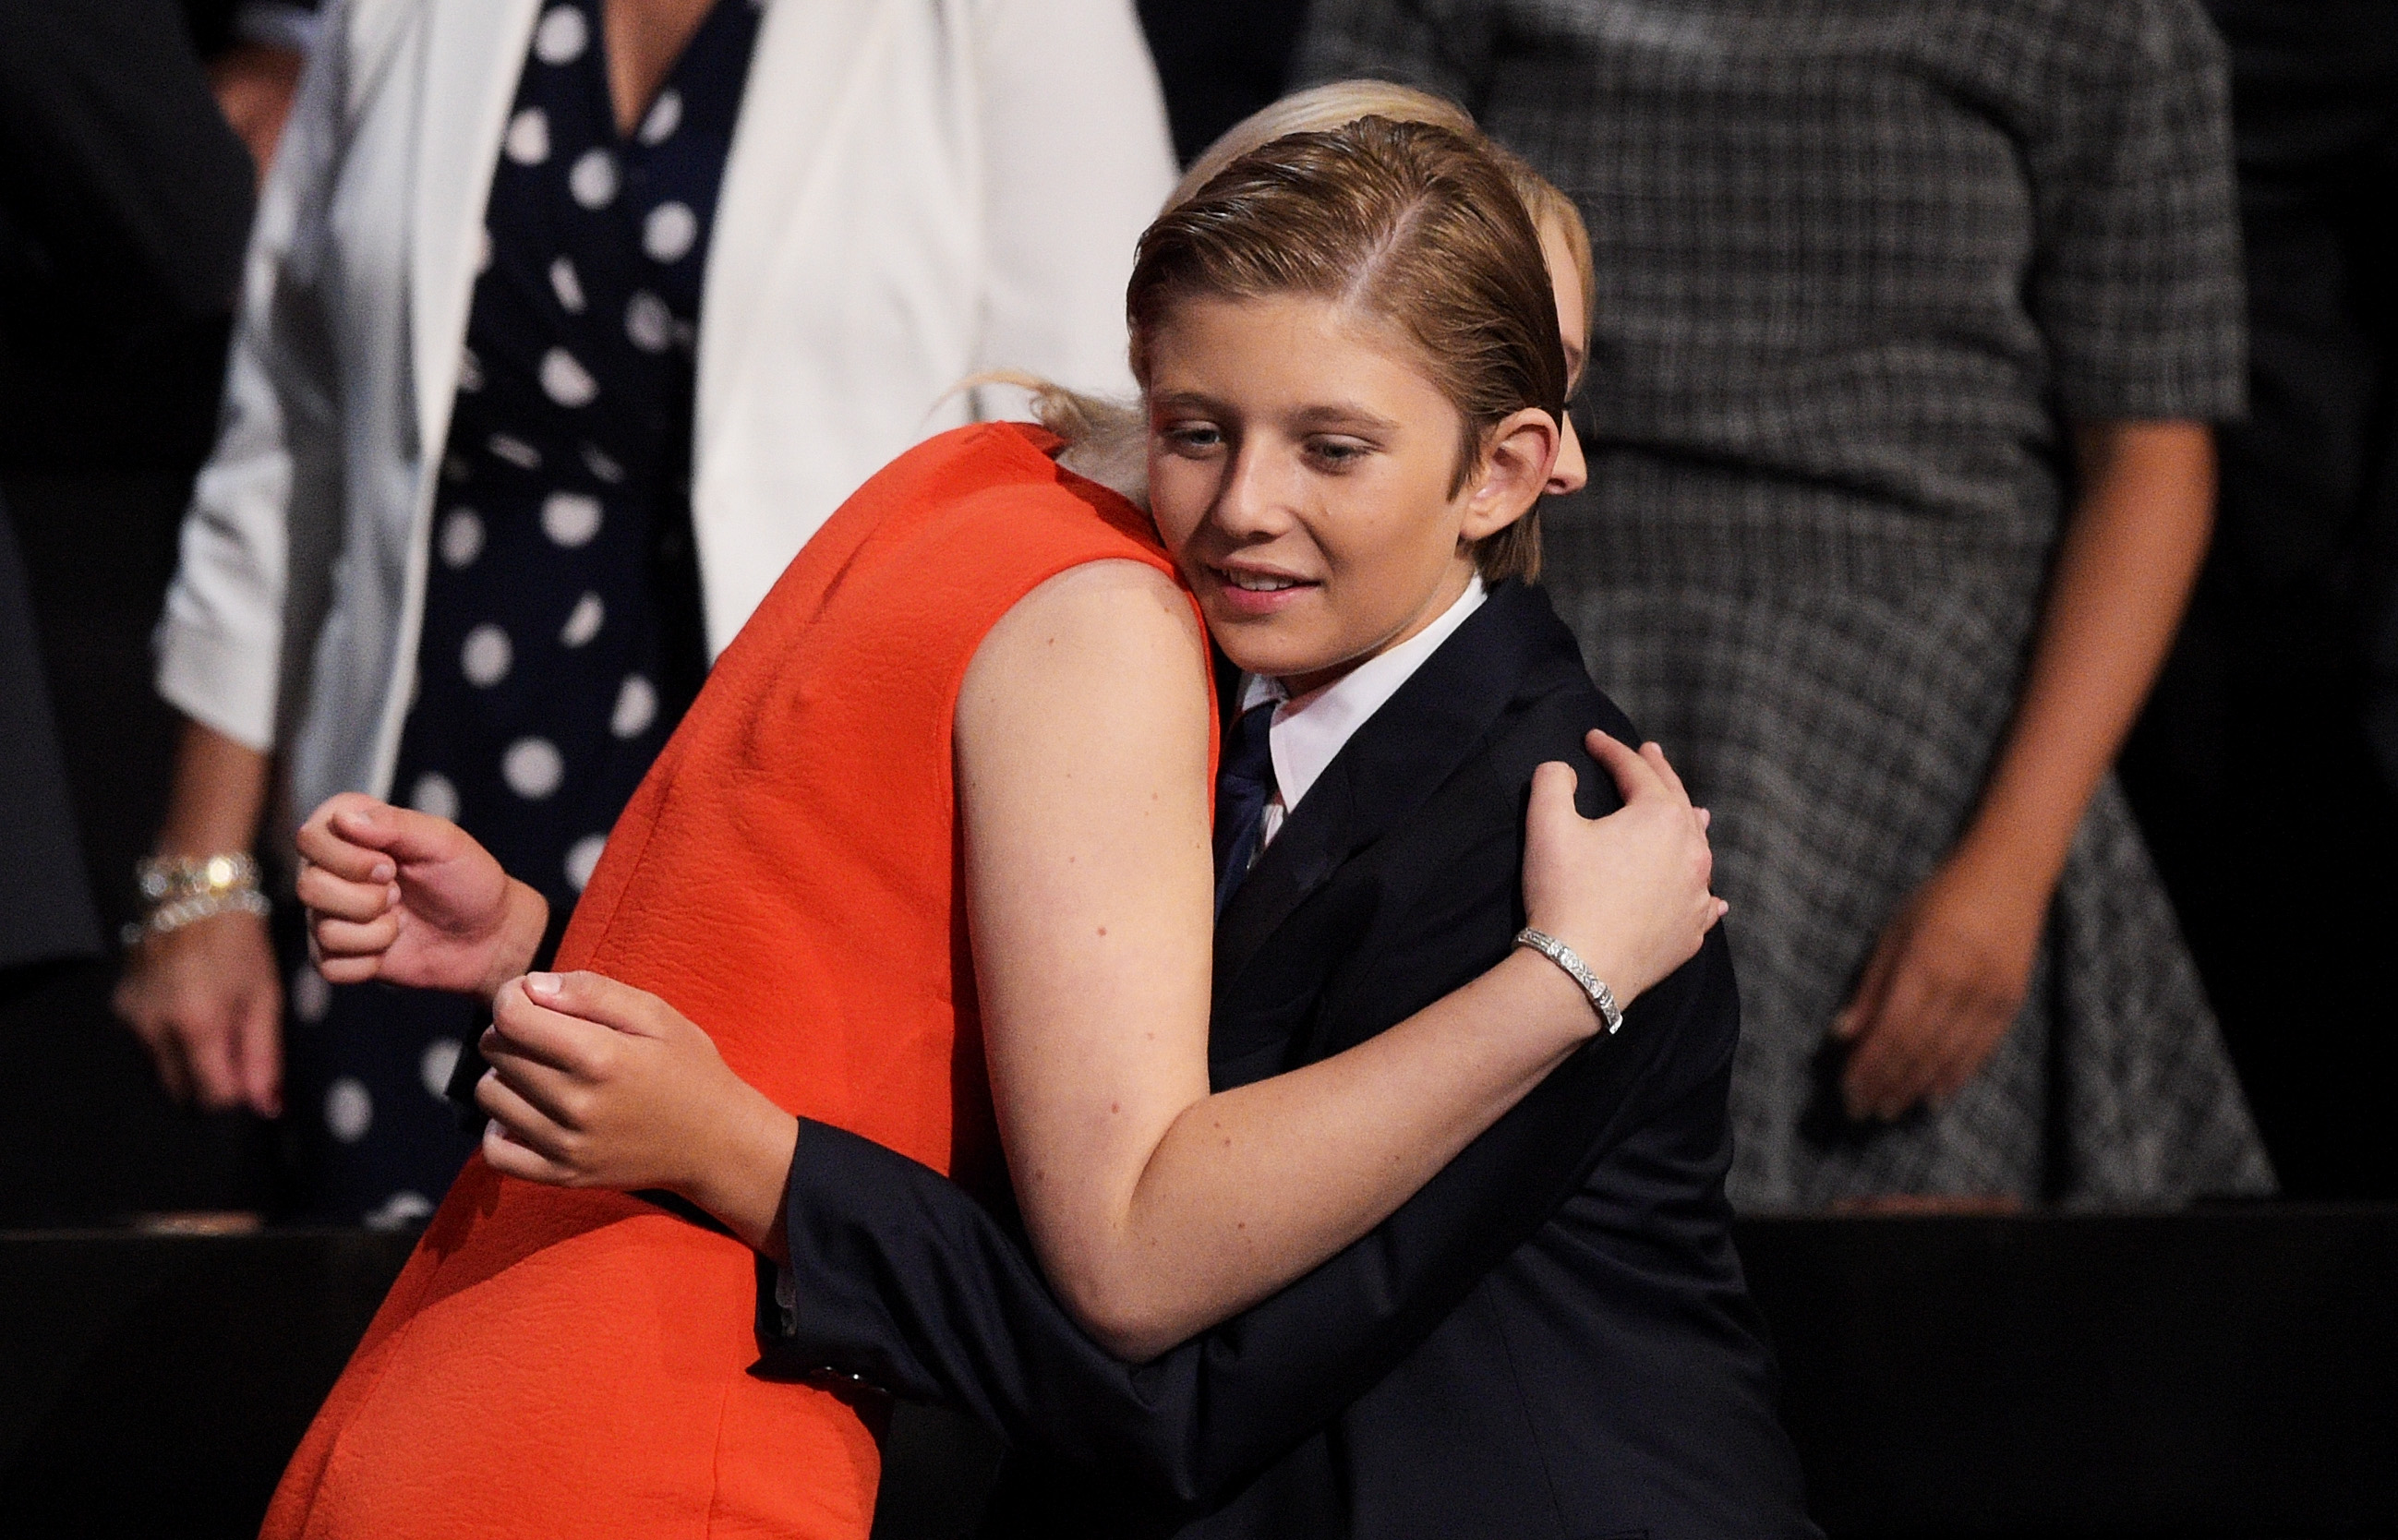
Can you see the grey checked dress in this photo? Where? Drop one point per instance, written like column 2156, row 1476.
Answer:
column 1860, row 262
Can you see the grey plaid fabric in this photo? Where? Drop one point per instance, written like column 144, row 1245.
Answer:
column 1859, row 262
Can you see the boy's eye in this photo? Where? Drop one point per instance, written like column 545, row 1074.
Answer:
column 1335, row 453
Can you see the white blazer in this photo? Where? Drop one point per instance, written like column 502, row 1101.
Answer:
column 917, row 190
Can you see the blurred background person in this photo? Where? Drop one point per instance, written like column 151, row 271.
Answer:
column 2292, row 638
column 125, row 198
column 1905, row 348
column 1219, row 61
column 566, row 324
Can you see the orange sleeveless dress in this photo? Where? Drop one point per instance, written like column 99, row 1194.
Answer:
column 559, row 1364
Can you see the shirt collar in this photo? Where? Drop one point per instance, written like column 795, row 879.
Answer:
column 1306, row 736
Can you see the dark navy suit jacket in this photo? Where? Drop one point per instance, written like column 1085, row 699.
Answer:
column 1551, row 1339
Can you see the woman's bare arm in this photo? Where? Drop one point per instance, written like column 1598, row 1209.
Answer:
column 1950, row 971
column 1157, row 1207
column 205, row 1001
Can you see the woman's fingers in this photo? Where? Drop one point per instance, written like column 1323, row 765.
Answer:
column 402, row 832
column 1858, row 1016
column 319, row 846
column 343, row 938
column 1655, row 753
column 1635, row 775
column 327, row 892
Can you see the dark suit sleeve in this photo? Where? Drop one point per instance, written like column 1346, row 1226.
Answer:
column 899, row 1278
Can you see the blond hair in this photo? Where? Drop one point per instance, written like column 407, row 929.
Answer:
column 1108, row 441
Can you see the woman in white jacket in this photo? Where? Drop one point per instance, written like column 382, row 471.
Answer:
column 566, row 323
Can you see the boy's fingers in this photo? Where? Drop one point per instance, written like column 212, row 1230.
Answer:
column 525, row 1124
column 511, row 1157
column 550, row 1090
column 560, row 1040
column 597, row 997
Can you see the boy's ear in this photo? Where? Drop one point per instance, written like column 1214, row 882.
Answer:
column 1514, row 472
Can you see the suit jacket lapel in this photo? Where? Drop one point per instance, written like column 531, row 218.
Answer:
column 474, row 53
column 1391, row 766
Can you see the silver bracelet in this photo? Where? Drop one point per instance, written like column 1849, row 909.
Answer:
column 1602, row 999
column 183, row 891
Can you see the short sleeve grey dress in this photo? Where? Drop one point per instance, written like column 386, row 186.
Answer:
column 1859, row 264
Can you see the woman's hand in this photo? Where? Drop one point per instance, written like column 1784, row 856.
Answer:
column 412, row 900
column 206, row 1002
column 1629, row 891
column 1941, row 988
column 596, row 1084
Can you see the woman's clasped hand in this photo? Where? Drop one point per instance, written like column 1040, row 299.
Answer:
column 1629, row 892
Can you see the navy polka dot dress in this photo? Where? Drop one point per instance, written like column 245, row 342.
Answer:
column 562, row 637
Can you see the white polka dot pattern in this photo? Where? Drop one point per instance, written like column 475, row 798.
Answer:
column 583, row 621
column 486, row 656
column 567, row 284
column 668, row 231
column 516, row 451
column 311, row 996
column 462, row 537
column 527, row 140
column 349, row 1111
column 434, row 796
column 566, row 380
column 398, row 1212
column 648, row 322
column 581, row 859
column 593, row 180
column 532, row 767
column 561, row 36
column 440, row 1058
column 665, row 116
column 596, row 461
column 570, row 518
column 637, row 707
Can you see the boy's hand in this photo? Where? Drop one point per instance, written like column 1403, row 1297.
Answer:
column 597, row 1084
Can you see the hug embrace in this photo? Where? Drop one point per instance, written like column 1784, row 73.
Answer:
column 1341, row 1156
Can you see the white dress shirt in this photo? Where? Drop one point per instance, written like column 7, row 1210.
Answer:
column 1303, row 736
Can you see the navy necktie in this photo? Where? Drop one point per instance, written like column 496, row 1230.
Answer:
column 1245, row 782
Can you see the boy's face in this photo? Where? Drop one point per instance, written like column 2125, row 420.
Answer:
column 1303, row 469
